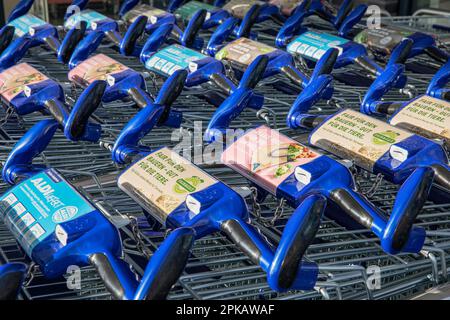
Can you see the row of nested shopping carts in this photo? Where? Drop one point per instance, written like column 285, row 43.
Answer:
column 217, row 269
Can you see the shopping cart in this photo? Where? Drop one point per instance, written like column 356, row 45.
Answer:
column 217, row 269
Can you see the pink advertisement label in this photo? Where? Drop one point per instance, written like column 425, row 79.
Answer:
column 96, row 68
column 286, row 6
column 267, row 157
column 14, row 80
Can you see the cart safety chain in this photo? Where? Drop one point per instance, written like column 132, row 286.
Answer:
column 334, row 102
column 229, row 72
column 9, row 113
column 255, row 205
column 152, row 77
column 409, row 90
column 267, row 222
column 264, row 114
column 354, row 171
column 446, row 149
column 140, row 244
column 373, row 189
column 278, row 212
column 300, row 63
column 31, row 272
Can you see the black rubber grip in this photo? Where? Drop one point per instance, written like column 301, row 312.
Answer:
column 420, row 195
column 388, row 108
column 436, row 53
column 257, row 74
column 55, row 110
column 108, row 275
column 67, row 47
column 246, row 29
column 130, row 42
column 194, row 29
column 9, row 285
column 404, row 54
column 6, row 37
column 441, row 176
column 221, row 83
column 344, row 15
column 52, row 43
column 312, row 122
column 171, row 268
column 304, row 236
column 352, row 207
column 86, row 107
column 446, row 96
column 327, row 66
column 237, row 234
column 308, row 4
column 292, row 75
column 171, row 90
column 363, row 63
column 138, row 98
column 112, row 36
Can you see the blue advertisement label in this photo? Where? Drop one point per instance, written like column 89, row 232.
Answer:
column 313, row 45
column 23, row 24
column 172, row 58
column 33, row 209
column 90, row 16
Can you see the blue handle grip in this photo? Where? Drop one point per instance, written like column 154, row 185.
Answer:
column 344, row 10
column 166, row 265
column 128, row 46
column 238, row 100
column 171, row 88
column 222, row 33
column 20, row 9
column 216, row 19
column 291, row 28
column 70, row 42
column 12, row 276
column 397, row 233
column 436, row 88
column 77, row 126
column 409, row 202
column 401, row 52
column 6, row 37
column 86, row 47
column 248, row 21
column 115, row 273
column 194, row 25
column 325, row 64
column 127, row 143
column 351, row 20
column 35, row 141
column 162, row 271
column 174, row 5
column 286, row 270
column 380, row 87
column 307, row 99
column 156, row 40
column 15, row 51
column 126, row 6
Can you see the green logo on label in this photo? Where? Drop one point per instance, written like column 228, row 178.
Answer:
column 387, row 137
column 187, row 185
